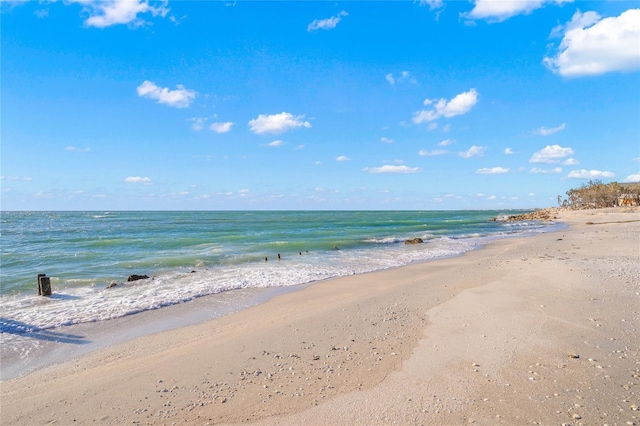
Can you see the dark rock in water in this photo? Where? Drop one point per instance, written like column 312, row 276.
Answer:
column 414, row 241
column 113, row 284
column 135, row 277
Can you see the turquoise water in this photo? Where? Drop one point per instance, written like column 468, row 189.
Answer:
column 194, row 254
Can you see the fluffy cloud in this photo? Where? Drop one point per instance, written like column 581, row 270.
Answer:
column 460, row 104
column 537, row 170
column 221, row 127
column 570, row 162
column 392, row 169
column 474, row 151
column 543, row 131
column 493, row 171
column 138, row 179
column 433, row 4
column 508, row 151
column 179, row 98
column 275, row 143
column 326, row 24
column 435, row 152
column 343, row 158
column 501, row 10
column 589, row 174
column 105, row 13
column 633, row 178
column 386, row 140
column 592, row 46
column 277, row 123
column 551, row 154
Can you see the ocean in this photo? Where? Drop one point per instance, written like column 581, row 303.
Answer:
column 190, row 255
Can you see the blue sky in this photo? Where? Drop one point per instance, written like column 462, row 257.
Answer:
column 198, row 105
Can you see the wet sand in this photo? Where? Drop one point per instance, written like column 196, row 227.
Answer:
column 537, row 330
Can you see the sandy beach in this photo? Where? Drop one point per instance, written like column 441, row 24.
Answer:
column 536, row 330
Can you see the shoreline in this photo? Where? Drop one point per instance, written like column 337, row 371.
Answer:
column 383, row 347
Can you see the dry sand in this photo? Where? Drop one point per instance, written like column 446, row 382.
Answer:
column 538, row 330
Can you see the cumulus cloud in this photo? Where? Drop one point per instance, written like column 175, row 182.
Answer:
column 474, row 151
column 275, row 143
column 343, row 158
column 386, row 140
column 138, row 179
column 508, row 151
column 551, row 154
column 543, row 131
column 592, row 45
column 435, row 152
column 179, row 98
column 460, row 104
column 75, row 149
column 493, row 171
column 392, row 169
column 277, row 123
column 221, row 127
column 633, row 178
column 537, row 170
column 326, row 24
column 501, row 10
column 570, row 162
column 589, row 174
column 106, row 13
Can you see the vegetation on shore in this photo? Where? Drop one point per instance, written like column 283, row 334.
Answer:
column 596, row 194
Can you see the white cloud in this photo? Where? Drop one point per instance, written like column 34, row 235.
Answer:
column 198, row 123
column 543, row 131
column 392, row 169
column 593, row 46
column 404, row 75
column 277, row 123
column 433, row 4
column 493, row 171
column 636, row 159
column 138, row 179
column 460, row 104
column 343, row 158
column 179, row 98
column 532, row 194
column 492, row 197
column 508, row 151
column 447, row 142
column 551, row 154
column 435, row 152
column 105, row 13
column 570, row 162
column 537, row 170
column 326, row 24
column 501, row 10
column 74, row 149
column 589, row 174
column 386, row 140
column 275, row 143
column 222, row 127
column 299, row 147
column 633, row 178
column 474, row 151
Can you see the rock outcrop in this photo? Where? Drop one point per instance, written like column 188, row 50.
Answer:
column 414, row 241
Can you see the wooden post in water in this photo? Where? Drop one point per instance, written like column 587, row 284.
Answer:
column 44, row 285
